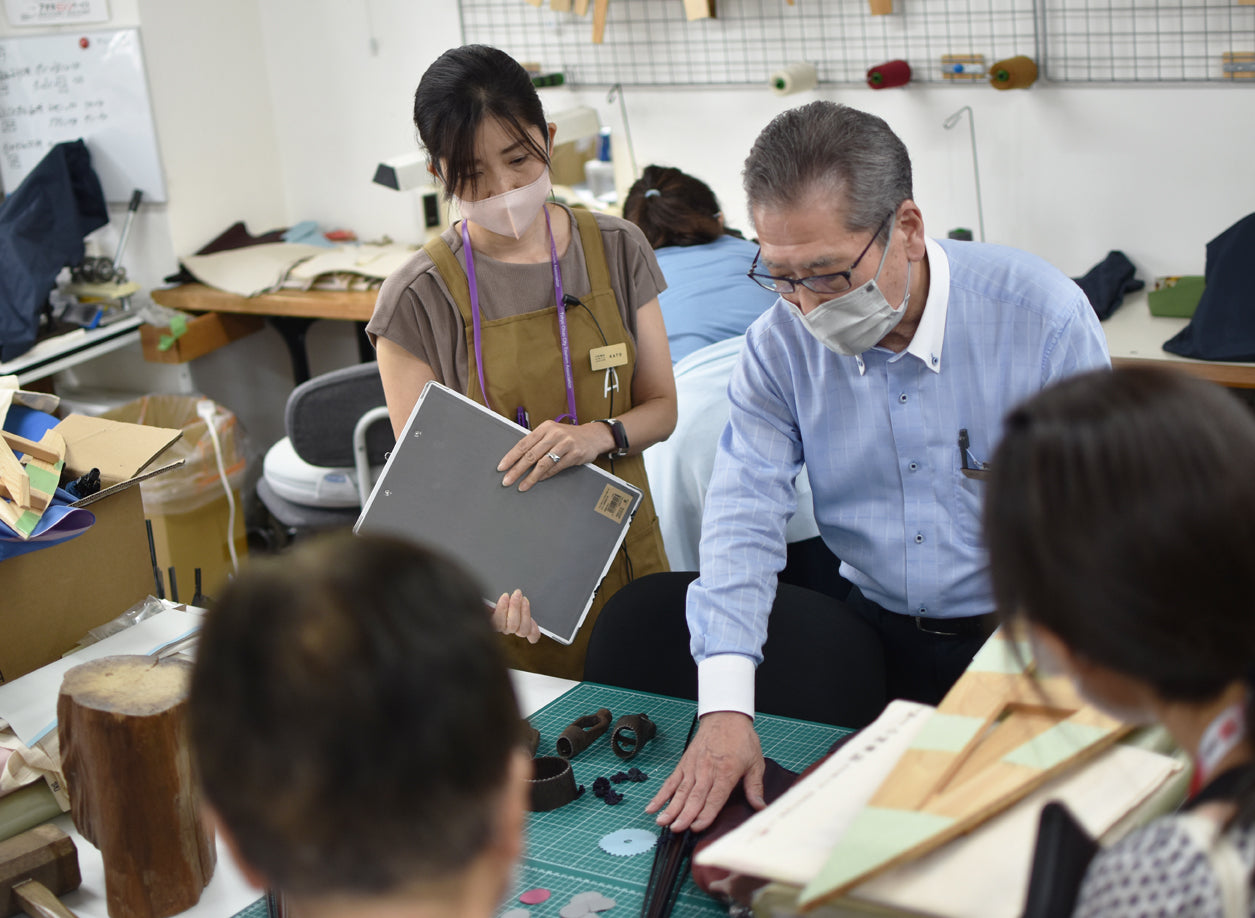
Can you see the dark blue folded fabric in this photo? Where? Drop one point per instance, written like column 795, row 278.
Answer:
column 42, row 225
column 1223, row 326
column 1107, row 282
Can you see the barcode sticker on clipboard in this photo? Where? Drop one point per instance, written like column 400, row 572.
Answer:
column 613, row 503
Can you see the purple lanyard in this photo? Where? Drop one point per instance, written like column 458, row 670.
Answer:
column 562, row 327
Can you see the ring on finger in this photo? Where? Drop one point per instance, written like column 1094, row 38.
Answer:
column 555, row 457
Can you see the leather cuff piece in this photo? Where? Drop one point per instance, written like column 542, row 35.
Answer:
column 581, row 734
column 531, row 738
column 552, row 784
column 631, row 733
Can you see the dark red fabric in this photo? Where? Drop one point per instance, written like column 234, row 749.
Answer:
column 724, row 885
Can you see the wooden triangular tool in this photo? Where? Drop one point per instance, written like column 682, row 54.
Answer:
column 999, row 734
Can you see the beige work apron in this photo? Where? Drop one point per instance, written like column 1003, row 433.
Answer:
column 523, row 367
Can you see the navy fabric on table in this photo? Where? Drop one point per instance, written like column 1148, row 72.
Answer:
column 42, row 225
column 1223, row 326
column 1107, row 282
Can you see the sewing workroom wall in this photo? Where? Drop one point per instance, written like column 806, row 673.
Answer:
column 274, row 111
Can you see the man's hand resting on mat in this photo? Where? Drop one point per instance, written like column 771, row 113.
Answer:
column 724, row 750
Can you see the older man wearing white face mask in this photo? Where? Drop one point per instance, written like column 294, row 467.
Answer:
column 887, row 366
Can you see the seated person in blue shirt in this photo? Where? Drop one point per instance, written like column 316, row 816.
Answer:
column 703, row 262
column 357, row 734
column 886, row 350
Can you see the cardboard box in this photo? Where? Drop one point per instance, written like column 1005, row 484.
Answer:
column 198, row 539
column 1176, row 296
column 203, row 335
column 52, row 597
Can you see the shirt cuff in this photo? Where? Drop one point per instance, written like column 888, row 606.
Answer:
column 725, row 682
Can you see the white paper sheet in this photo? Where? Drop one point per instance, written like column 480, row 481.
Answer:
column 29, row 703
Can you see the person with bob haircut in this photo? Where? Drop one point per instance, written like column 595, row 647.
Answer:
column 1120, row 520
column 512, row 305
column 357, row 735
column 707, row 299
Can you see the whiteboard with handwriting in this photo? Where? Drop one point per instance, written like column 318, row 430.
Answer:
column 74, row 84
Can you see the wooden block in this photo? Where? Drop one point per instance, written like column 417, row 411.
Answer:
column 535, row 3
column 581, row 7
column 699, row 9
column 1239, row 65
column 33, row 449
column 122, row 723
column 13, row 477
column 43, row 854
column 204, row 335
column 600, row 8
column 963, row 67
column 880, row 7
column 560, row 6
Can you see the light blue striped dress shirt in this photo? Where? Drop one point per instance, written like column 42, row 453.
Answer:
column 879, row 436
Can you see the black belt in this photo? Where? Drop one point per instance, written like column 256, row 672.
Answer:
column 942, row 627
column 955, row 627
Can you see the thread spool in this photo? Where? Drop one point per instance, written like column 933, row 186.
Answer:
column 796, row 77
column 1018, row 72
column 889, row 74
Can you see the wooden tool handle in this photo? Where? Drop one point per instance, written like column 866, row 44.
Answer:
column 38, row 901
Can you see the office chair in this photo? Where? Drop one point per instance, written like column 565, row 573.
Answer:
column 821, row 662
column 338, row 422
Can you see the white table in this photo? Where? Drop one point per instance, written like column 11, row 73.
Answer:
column 1136, row 338
column 228, row 892
column 52, row 355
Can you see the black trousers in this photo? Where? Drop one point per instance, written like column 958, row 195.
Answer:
column 825, row 659
column 920, row 664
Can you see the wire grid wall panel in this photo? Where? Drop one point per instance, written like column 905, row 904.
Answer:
column 649, row 42
column 1145, row 40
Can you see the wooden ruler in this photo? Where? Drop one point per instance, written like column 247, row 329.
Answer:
column 600, row 8
column 963, row 67
column 1239, row 65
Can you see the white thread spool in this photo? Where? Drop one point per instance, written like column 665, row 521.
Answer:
column 796, row 77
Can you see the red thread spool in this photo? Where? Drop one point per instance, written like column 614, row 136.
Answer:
column 889, row 74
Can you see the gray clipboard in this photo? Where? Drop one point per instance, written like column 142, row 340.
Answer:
column 440, row 487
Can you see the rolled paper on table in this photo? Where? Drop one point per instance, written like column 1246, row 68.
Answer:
column 889, row 74
column 581, row 734
column 1018, row 72
column 796, row 77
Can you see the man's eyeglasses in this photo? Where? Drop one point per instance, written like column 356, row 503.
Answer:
column 835, row 283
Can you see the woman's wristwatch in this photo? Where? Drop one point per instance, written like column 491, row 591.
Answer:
column 620, row 437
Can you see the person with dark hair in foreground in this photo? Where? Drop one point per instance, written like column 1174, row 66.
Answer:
column 707, row 299
column 1120, row 521
column 357, row 735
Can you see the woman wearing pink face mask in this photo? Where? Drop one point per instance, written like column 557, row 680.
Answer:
column 511, row 303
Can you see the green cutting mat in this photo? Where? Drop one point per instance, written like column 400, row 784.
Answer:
column 562, row 852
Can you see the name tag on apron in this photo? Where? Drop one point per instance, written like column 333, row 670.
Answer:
column 613, row 355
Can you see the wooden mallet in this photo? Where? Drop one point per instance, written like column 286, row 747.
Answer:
column 35, row 868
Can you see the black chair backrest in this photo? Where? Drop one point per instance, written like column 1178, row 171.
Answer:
column 322, row 412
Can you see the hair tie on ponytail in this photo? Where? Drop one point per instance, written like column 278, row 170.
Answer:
column 653, row 193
